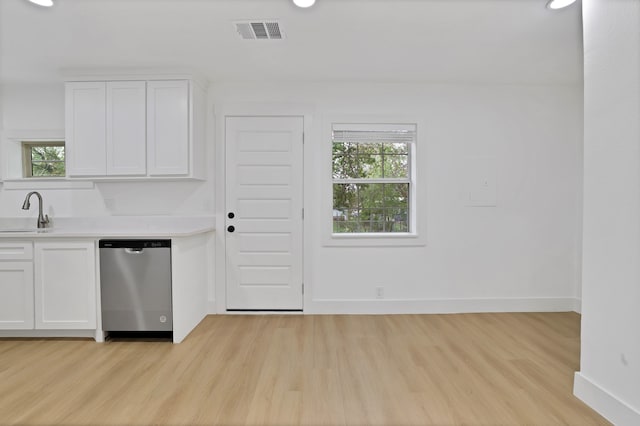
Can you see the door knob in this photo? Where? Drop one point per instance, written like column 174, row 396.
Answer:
column 231, row 215
column 231, row 228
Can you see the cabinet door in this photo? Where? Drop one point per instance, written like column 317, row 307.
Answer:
column 168, row 127
column 16, row 295
column 126, row 128
column 65, row 285
column 85, row 133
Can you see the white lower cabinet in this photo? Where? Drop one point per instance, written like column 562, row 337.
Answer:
column 47, row 285
column 16, row 295
column 65, row 285
column 16, row 285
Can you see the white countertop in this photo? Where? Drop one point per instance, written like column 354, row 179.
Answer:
column 109, row 226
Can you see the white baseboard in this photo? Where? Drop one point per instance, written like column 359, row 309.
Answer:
column 606, row 404
column 441, row 306
column 48, row 333
column 577, row 305
column 434, row 306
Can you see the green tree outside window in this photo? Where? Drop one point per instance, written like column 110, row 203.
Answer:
column 43, row 159
column 371, row 186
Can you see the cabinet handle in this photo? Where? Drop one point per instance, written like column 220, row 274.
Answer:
column 231, row 228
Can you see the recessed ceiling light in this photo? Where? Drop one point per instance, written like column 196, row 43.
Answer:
column 559, row 4
column 46, row 3
column 304, row 3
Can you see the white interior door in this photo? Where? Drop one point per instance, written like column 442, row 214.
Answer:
column 264, row 213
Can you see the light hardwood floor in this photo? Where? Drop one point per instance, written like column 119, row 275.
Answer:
column 471, row 369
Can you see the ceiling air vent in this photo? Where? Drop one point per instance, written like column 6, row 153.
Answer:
column 259, row 30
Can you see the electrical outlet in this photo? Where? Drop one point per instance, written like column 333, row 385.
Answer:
column 380, row 292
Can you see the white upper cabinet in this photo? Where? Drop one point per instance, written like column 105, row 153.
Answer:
column 135, row 129
column 126, row 129
column 85, row 128
column 168, row 127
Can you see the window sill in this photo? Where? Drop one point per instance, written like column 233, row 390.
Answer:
column 46, row 183
column 375, row 240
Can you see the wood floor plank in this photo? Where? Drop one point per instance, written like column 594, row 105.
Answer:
column 463, row 369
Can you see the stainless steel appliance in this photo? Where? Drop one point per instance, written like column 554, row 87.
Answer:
column 135, row 285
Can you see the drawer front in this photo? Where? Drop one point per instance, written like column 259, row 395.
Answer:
column 18, row 250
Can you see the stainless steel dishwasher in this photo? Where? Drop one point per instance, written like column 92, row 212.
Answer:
column 135, row 285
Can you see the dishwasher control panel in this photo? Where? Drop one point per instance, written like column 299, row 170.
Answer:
column 134, row 243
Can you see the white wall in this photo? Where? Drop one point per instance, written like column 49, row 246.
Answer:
column 39, row 110
column 523, row 254
column 609, row 377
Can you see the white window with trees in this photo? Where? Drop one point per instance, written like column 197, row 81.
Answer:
column 373, row 180
column 43, row 159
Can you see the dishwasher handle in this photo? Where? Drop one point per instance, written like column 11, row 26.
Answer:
column 134, row 250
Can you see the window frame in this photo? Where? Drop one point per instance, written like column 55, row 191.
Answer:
column 379, row 180
column 415, row 236
column 26, row 147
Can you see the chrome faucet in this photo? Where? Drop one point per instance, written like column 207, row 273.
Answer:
column 43, row 221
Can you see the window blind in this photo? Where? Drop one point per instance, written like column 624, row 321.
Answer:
column 373, row 133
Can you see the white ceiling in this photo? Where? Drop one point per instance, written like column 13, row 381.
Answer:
column 469, row 41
